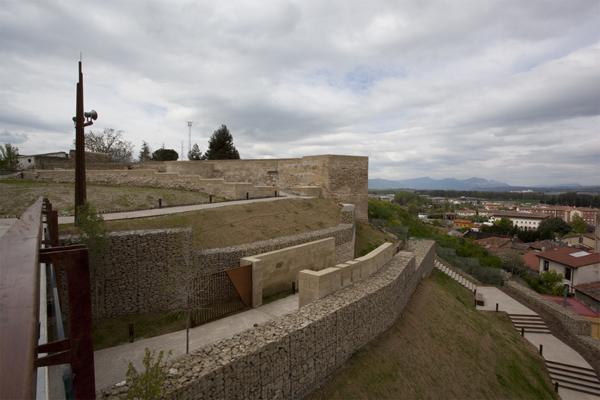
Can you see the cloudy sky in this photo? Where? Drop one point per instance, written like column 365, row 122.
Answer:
column 506, row 90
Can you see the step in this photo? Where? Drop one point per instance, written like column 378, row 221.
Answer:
column 570, row 367
column 529, row 323
column 586, row 386
column 525, row 316
column 568, row 375
column 579, row 389
column 529, row 330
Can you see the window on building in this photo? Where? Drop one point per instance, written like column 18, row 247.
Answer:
column 568, row 273
column 546, row 265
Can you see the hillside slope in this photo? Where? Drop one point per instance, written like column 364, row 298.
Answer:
column 441, row 348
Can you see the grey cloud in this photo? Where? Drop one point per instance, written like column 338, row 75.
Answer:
column 12, row 137
column 422, row 88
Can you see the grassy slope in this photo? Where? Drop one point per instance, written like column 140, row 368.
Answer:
column 237, row 224
column 367, row 238
column 17, row 195
column 441, row 348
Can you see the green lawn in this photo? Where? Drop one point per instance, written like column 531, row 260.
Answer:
column 442, row 348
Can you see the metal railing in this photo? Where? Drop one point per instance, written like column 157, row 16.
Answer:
column 22, row 250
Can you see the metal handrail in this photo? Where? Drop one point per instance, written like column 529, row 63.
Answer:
column 19, row 303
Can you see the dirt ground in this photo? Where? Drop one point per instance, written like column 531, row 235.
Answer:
column 17, row 195
column 441, row 348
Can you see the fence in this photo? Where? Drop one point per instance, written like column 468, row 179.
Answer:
column 471, row 266
column 212, row 296
column 23, row 289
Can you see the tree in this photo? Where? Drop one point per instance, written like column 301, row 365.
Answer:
column 109, row 142
column 553, row 226
column 145, row 152
column 195, row 153
column 220, row 146
column 578, row 224
column 9, row 157
column 165, row 155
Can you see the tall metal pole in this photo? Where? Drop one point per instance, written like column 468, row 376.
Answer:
column 80, row 190
column 189, row 138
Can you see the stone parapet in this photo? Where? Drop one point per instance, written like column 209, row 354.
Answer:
column 289, row 357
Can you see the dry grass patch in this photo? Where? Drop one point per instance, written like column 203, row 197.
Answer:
column 441, row 348
column 244, row 223
column 16, row 195
column 368, row 238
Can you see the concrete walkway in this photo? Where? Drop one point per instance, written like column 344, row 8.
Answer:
column 180, row 209
column 111, row 364
column 553, row 348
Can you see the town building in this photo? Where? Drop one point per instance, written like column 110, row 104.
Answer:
column 566, row 213
column 35, row 160
column 576, row 266
column 524, row 221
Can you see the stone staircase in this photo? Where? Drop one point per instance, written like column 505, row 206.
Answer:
column 457, row 277
column 574, row 377
column 529, row 323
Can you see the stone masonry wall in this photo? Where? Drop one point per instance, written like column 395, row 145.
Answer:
column 141, row 271
column 223, row 258
column 289, row 357
column 574, row 323
column 146, row 271
column 342, row 178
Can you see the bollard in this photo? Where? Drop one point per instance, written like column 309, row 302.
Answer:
column 496, row 307
column 187, row 332
column 541, row 349
column 522, row 331
column 159, row 203
column 247, row 195
column 556, row 386
column 293, row 287
column 131, row 333
column 210, row 198
column 276, row 193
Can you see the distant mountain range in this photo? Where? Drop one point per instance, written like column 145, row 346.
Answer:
column 427, row 183
column 472, row 184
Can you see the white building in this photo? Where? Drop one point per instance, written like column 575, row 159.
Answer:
column 577, row 266
column 524, row 221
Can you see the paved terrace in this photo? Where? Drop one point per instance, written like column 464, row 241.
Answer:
column 111, row 364
column 154, row 212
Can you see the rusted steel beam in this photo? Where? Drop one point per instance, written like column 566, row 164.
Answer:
column 241, row 278
column 80, row 190
column 53, row 347
column 64, row 357
column 74, row 259
column 19, row 304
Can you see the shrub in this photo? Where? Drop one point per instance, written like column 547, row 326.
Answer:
column 148, row 385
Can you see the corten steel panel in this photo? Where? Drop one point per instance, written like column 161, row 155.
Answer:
column 241, row 278
column 19, row 303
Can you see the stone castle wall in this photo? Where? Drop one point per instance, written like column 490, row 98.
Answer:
column 342, row 178
column 289, row 357
column 146, row 271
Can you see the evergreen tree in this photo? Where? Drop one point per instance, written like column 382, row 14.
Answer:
column 220, row 146
column 145, row 152
column 163, row 154
column 195, row 153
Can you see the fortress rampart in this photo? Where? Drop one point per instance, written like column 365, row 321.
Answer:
column 289, row 357
column 341, row 178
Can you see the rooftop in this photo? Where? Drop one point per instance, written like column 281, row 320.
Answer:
column 517, row 214
column 571, row 257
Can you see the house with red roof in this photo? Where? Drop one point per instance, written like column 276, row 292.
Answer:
column 577, row 266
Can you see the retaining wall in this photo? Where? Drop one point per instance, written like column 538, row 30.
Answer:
column 223, row 258
column 146, row 271
column 572, row 322
column 274, row 272
column 315, row 284
column 292, row 355
column 342, row 178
